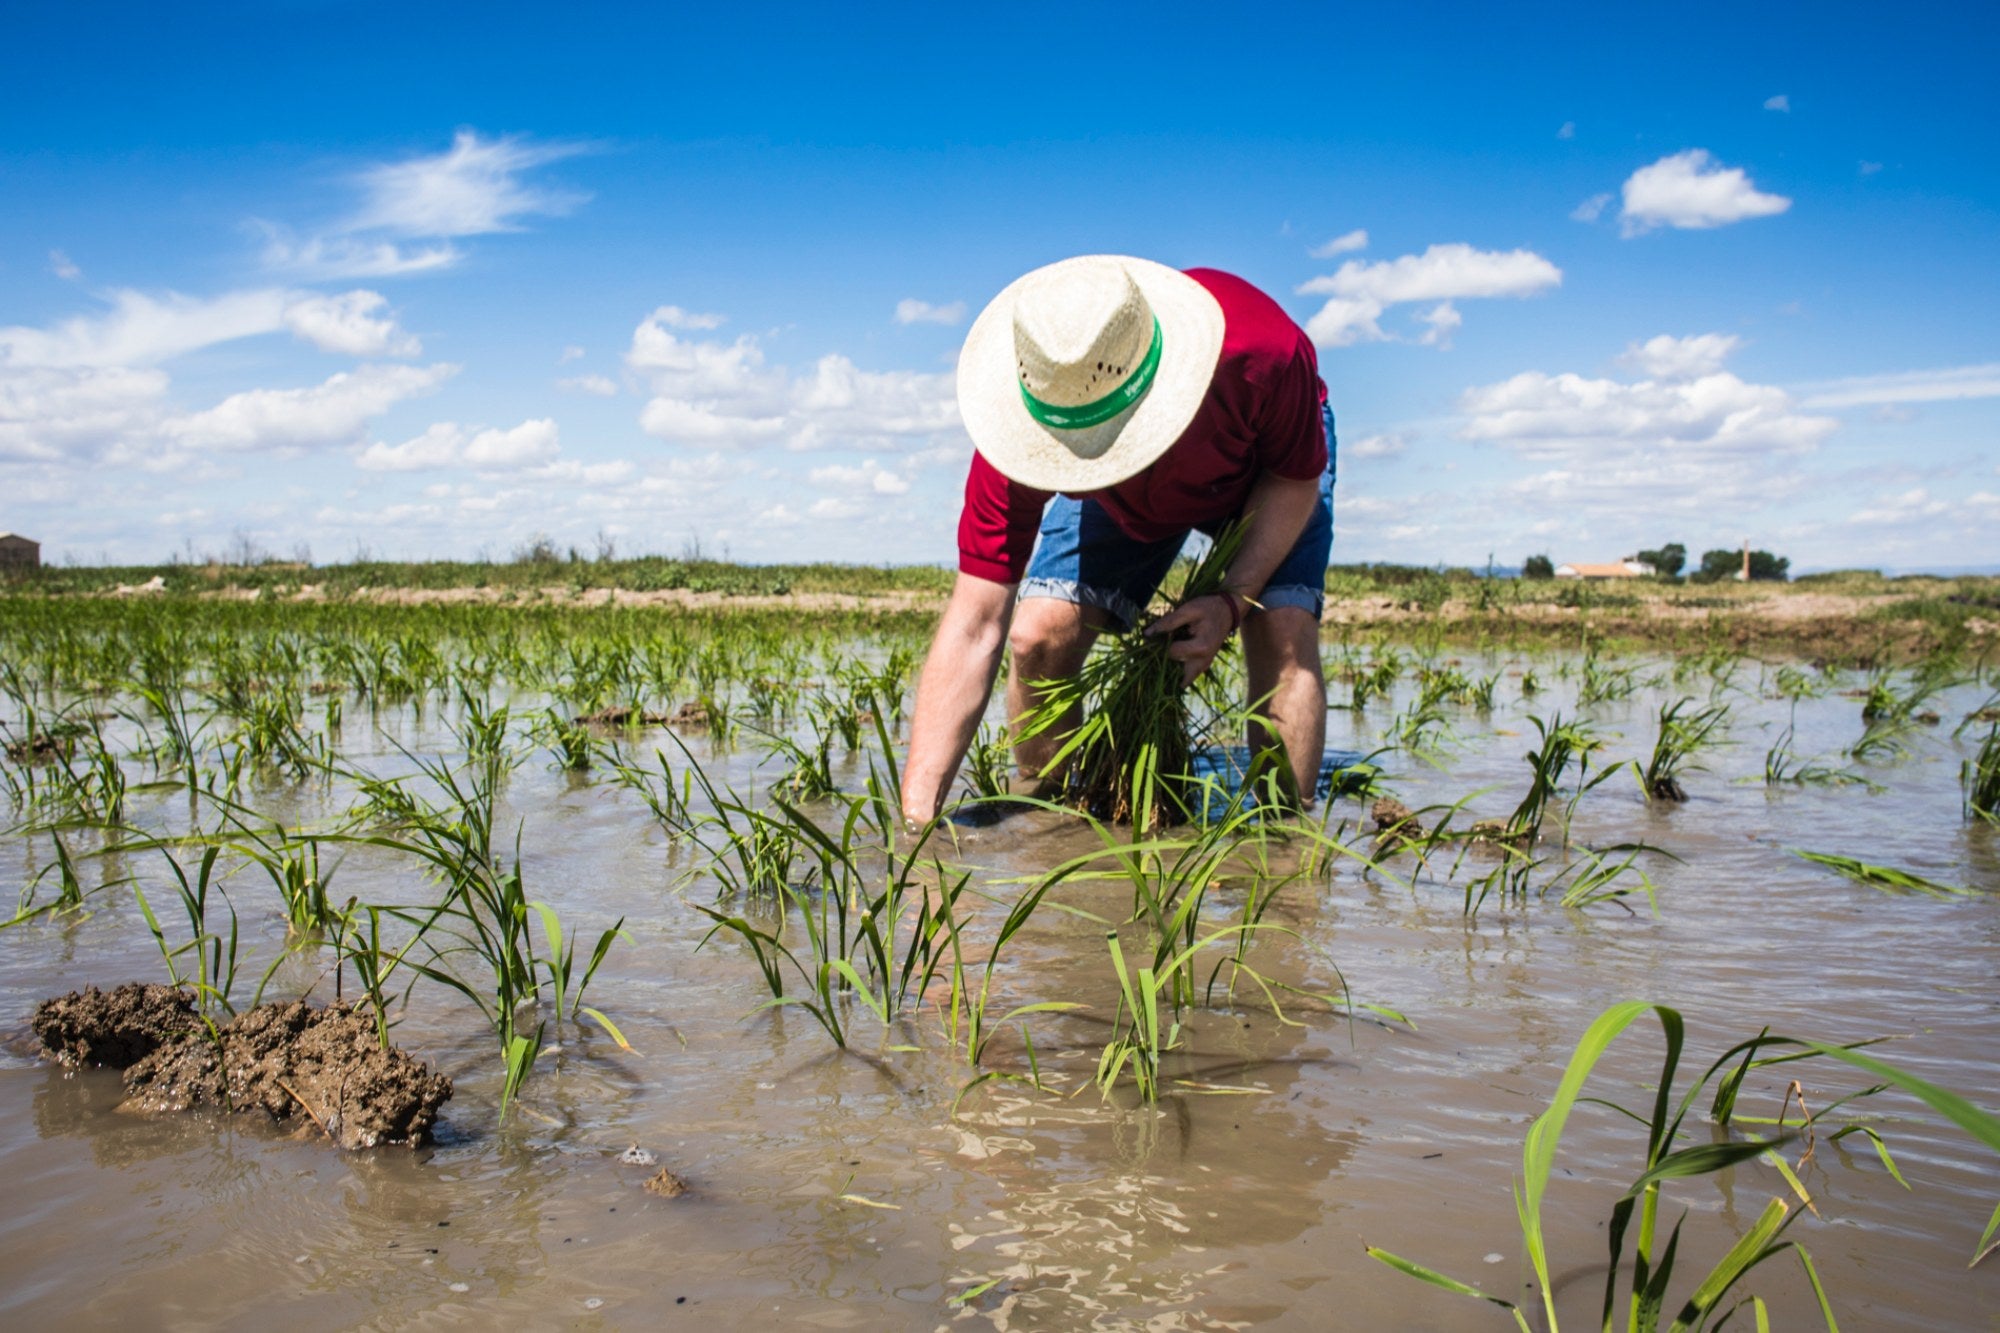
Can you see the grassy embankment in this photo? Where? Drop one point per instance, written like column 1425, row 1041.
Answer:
column 1855, row 616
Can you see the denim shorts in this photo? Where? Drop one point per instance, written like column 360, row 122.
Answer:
column 1083, row 557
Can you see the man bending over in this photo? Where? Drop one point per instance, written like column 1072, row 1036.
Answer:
column 1116, row 405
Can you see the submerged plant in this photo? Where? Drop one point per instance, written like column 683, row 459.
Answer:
column 1887, row 878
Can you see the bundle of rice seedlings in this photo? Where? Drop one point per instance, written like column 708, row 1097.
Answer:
column 1130, row 759
column 1981, row 778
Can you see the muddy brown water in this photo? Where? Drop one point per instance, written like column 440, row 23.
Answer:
column 833, row 1190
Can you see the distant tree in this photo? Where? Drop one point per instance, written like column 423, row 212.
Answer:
column 1668, row 561
column 1719, row 565
column 1538, row 567
column 1764, row 565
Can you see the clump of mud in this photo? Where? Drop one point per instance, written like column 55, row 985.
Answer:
column 620, row 715
column 665, row 1184
column 284, row 1060
column 1396, row 826
column 115, row 1028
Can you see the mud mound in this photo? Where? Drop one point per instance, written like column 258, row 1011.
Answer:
column 620, row 716
column 114, row 1028
column 291, row 1059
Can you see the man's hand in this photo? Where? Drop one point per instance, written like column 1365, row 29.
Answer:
column 1208, row 621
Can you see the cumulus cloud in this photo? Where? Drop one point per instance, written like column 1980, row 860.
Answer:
column 870, row 478
column 142, row 330
column 1691, row 190
column 1359, row 292
column 1779, row 103
column 1568, row 130
column 347, row 324
column 1668, row 358
column 909, row 310
column 331, row 413
column 447, row 444
column 91, row 387
column 1341, row 244
column 63, row 266
column 709, row 392
column 1915, row 386
column 600, row 385
column 673, row 317
column 1374, row 446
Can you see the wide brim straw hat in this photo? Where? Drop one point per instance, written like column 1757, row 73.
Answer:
column 1082, row 373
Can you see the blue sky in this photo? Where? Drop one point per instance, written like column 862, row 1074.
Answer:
column 432, row 280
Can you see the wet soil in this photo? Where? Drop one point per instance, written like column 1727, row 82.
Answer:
column 113, row 1028
column 285, row 1059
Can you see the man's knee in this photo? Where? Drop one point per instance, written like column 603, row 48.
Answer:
column 1282, row 644
column 1048, row 638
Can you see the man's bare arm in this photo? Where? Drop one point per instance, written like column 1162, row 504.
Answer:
column 1279, row 509
column 953, row 690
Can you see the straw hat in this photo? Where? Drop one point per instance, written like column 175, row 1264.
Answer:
column 1080, row 374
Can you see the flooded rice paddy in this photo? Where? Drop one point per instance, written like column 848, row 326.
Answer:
column 882, row 1186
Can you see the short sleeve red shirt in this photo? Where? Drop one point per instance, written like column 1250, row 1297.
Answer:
column 1262, row 414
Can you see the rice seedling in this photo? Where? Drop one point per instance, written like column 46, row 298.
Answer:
column 1664, row 1160
column 1980, row 778
column 1682, row 734
column 667, row 799
column 567, row 740
column 989, row 764
column 485, row 913
column 1129, row 757
column 1886, row 878
column 1561, row 745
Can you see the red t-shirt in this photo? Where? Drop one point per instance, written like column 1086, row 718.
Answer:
column 1262, row 414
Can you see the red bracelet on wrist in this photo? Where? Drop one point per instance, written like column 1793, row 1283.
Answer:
column 1235, row 605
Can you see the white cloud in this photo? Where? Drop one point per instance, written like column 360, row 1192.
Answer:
column 1567, row 415
column 600, row 385
column 1668, row 358
column 63, row 267
column 569, row 354
column 1360, row 292
column 1868, row 168
column 142, row 330
column 709, row 392
column 909, row 310
column 673, row 317
column 346, row 324
column 331, row 258
column 473, row 188
column 334, row 412
column 1779, row 103
column 447, row 444
column 1374, row 446
column 1912, row 504
column 1916, row 386
column 1568, row 130
column 1341, row 244
column 1443, row 320
column 1691, row 190
column 49, row 413
column 869, row 478
column 1591, row 209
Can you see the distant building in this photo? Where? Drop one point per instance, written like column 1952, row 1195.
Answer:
column 1622, row 569
column 18, row 552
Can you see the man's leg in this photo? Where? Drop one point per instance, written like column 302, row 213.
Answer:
column 1281, row 658
column 1281, row 645
column 1049, row 640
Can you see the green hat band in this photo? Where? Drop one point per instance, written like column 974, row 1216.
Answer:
column 1103, row 409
